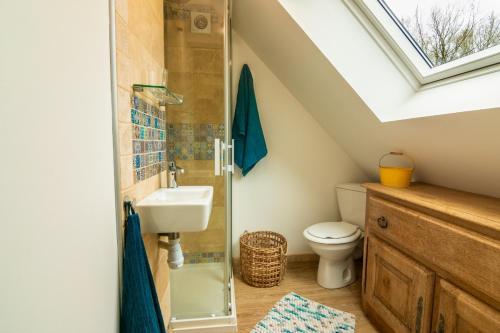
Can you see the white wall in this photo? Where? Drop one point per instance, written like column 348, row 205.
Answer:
column 58, row 249
column 294, row 185
column 456, row 150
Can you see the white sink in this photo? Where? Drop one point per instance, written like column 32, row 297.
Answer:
column 181, row 209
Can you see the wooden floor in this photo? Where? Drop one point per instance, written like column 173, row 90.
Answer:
column 252, row 304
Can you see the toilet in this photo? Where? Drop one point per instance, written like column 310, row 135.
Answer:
column 337, row 243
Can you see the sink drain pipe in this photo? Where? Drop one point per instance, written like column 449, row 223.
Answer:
column 175, row 257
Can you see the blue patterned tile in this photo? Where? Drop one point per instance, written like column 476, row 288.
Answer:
column 137, row 161
column 148, row 129
column 198, row 136
column 137, row 147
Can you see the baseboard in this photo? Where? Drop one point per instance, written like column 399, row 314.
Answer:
column 306, row 257
column 292, row 259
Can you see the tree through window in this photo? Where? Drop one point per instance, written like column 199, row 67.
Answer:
column 447, row 30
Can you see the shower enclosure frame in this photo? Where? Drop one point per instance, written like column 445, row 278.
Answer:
column 227, row 323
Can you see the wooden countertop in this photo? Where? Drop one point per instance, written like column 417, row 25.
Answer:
column 477, row 212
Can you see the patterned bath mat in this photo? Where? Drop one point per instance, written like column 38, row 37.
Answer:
column 297, row 314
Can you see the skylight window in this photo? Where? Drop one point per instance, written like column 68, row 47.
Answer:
column 438, row 39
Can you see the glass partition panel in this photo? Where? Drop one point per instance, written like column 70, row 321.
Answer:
column 195, row 40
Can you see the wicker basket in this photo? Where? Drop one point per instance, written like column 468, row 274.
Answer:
column 263, row 258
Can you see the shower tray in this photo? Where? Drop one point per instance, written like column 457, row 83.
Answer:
column 203, row 308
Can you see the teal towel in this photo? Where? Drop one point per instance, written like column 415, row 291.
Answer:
column 249, row 143
column 140, row 310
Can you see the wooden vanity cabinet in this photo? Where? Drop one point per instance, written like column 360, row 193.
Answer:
column 457, row 311
column 432, row 260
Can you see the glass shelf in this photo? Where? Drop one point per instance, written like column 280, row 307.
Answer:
column 161, row 93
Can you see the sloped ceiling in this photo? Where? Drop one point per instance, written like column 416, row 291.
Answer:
column 460, row 150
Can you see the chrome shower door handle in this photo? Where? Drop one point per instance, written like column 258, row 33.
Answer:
column 223, row 157
column 230, row 163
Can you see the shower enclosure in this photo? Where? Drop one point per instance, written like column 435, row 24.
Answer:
column 197, row 55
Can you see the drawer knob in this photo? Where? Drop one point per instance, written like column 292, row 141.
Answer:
column 382, row 222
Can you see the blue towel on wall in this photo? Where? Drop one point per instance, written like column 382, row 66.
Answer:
column 250, row 145
column 140, row 308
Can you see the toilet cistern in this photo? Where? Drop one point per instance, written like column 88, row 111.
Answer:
column 173, row 171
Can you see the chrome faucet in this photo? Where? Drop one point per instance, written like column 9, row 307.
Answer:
column 173, row 171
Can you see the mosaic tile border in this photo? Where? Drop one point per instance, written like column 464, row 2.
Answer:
column 148, row 139
column 174, row 11
column 192, row 141
column 203, row 257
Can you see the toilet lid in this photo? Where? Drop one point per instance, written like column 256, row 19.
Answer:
column 333, row 230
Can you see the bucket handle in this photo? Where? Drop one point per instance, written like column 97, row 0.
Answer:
column 397, row 154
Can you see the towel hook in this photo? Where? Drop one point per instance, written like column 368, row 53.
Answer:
column 128, row 206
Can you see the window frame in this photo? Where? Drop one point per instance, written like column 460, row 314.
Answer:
column 405, row 48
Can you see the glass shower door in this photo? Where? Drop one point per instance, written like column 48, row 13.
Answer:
column 197, row 57
column 228, row 117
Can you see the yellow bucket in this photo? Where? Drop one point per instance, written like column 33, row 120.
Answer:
column 393, row 176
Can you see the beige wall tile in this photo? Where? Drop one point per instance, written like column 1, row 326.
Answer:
column 157, row 46
column 121, row 35
column 141, row 21
column 197, row 169
column 219, row 192
column 125, row 138
column 203, row 98
column 123, row 105
column 176, row 32
column 136, row 54
column 211, row 239
column 217, row 219
column 180, row 59
column 123, row 70
column 147, row 186
column 126, row 171
column 190, row 243
column 208, row 60
column 206, row 241
column 187, row 179
column 122, row 8
column 157, row 9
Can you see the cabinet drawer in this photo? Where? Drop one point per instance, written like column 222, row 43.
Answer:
column 469, row 257
column 455, row 311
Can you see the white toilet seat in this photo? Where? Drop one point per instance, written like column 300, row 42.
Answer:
column 333, row 233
